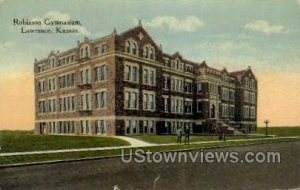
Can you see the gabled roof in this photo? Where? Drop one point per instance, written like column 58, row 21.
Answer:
column 141, row 29
column 224, row 70
column 203, row 64
column 240, row 74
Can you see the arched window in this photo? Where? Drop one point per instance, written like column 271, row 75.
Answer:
column 128, row 46
column 86, row 51
column 152, row 53
column 81, row 52
column 146, row 53
column 134, row 49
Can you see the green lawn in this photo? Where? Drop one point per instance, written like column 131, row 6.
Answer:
column 165, row 139
column 280, row 131
column 19, row 141
column 117, row 152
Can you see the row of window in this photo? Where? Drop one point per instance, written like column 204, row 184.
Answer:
column 250, row 83
column 68, row 103
column 131, row 74
column 131, row 47
column 250, row 97
column 171, row 127
column 177, row 65
column 227, row 110
column 68, row 127
column 133, row 127
column 227, row 94
column 86, row 100
column 249, row 112
column 178, row 105
column 54, row 63
column 177, row 84
column 68, row 80
column 85, row 51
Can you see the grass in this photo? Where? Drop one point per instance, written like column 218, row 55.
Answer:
column 166, row 139
column 12, row 141
column 103, row 153
column 280, row 131
column 19, row 141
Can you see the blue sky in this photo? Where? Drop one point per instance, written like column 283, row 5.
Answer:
column 233, row 33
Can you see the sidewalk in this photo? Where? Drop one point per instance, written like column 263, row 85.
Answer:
column 134, row 144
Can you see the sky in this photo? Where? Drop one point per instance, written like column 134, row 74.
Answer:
column 263, row 34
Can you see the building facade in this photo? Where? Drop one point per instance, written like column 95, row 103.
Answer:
column 125, row 84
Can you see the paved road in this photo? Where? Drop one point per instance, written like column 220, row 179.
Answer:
column 105, row 173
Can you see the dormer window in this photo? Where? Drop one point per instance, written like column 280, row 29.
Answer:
column 134, row 48
column 85, row 51
column 128, row 46
column 149, row 52
column 152, row 54
column 146, row 52
column 131, row 47
column 104, row 48
column 81, row 52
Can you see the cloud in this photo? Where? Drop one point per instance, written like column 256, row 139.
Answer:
column 5, row 45
column 187, row 24
column 264, row 27
column 58, row 16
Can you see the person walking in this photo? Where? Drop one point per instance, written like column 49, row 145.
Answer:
column 179, row 135
column 187, row 135
column 223, row 136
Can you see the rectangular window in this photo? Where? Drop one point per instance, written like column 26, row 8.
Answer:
column 188, row 107
column 42, row 107
column 52, row 105
column 131, row 99
column 42, row 86
column 199, row 107
column 51, row 84
column 246, row 111
column 166, row 104
column 134, row 74
column 101, row 127
column 101, row 73
column 177, row 105
column 149, row 100
column 131, row 73
column 131, row 127
column 231, row 111
column 188, row 87
column 85, row 100
column 65, row 81
column 166, row 82
column 199, row 88
column 85, row 76
column 101, row 99
column 85, row 127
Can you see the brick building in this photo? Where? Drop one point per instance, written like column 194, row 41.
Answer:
column 125, row 84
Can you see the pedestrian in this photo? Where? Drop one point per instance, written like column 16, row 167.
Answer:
column 220, row 135
column 187, row 135
column 224, row 136
column 179, row 135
